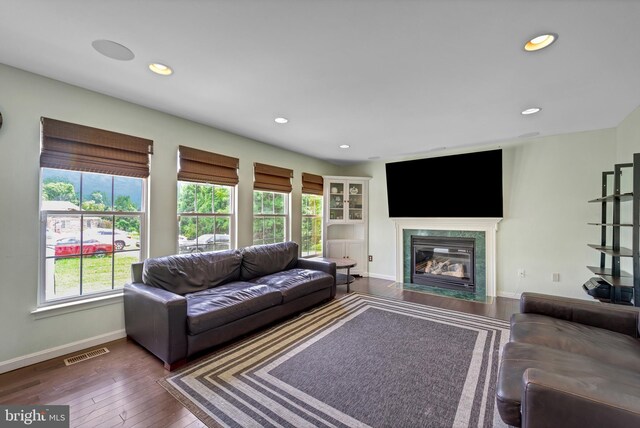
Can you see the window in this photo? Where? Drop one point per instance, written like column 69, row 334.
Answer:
column 312, row 189
column 91, row 227
column 272, row 185
column 205, row 217
column 270, row 217
column 311, row 225
column 206, row 184
column 92, row 209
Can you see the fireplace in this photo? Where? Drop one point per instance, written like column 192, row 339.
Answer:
column 446, row 262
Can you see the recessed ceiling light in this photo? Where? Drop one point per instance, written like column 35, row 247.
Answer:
column 344, row 146
column 532, row 110
column 113, row 50
column 281, row 120
column 161, row 69
column 540, row 42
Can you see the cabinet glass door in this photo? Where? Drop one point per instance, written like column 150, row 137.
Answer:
column 336, row 201
column 355, row 201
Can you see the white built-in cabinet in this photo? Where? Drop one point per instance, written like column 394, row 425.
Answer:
column 346, row 221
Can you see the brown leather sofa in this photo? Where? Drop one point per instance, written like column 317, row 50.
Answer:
column 179, row 305
column 570, row 363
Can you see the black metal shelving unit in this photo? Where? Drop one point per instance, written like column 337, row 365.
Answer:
column 621, row 283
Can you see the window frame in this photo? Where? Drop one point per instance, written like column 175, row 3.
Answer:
column 312, row 216
column 232, row 215
column 42, row 301
column 286, row 215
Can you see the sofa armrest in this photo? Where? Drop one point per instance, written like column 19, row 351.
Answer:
column 549, row 399
column 621, row 319
column 156, row 319
column 327, row 267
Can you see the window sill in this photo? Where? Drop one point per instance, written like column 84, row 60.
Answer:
column 78, row 305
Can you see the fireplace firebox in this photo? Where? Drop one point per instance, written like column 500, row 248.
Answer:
column 444, row 262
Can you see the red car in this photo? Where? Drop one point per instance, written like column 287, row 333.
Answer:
column 71, row 247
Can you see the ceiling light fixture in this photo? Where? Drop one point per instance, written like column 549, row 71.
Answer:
column 540, row 42
column 161, row 69
column 344, row 146
column 532, row 110
column 281, row 120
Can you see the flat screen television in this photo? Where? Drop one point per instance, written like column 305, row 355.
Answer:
column 468, row 185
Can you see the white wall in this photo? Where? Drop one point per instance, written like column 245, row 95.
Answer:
column 25, row 98
column 547, row 183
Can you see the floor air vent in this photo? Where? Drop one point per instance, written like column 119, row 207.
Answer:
column 85, row 356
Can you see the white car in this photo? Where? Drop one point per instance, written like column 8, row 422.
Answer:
column 120, row 238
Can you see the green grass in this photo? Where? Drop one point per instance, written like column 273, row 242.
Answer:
column 96, row 274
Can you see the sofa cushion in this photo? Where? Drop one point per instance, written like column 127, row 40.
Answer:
column 188, row 273
column 602, row 345
column 261, row 260
column 518, row 357
column 294, row 283
column 218, row 306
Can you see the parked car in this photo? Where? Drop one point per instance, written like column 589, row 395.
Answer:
column 71, row 247
column 120, row 238
column 206, row 242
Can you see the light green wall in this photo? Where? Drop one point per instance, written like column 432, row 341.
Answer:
column 628, row 143
column 547, row 183
column 628, row 137
column 26, row 97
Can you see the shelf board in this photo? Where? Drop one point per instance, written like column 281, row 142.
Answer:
column 606, row 271
column 618, row 281
column 624, row 252
column 611, row 224
column 621, row 196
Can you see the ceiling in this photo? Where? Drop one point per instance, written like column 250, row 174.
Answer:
column 390, row 78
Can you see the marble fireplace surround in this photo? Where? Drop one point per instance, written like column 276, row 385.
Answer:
column 487, row 225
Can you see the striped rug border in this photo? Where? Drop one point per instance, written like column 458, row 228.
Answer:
column 249, row 356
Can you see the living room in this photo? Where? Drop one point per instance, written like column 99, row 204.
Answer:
column 547, row 178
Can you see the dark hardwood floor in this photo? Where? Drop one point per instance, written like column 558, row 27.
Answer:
column 120, row 388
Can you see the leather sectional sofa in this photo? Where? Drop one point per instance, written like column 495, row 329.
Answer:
column 570, row 363
column 179, row 305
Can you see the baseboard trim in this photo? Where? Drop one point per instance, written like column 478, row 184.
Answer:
column 58, row 351
column 509, row 294
column 381, row 276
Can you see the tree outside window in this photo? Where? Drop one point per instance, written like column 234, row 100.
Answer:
column 205, row 215
column 91, row 231
column 311, row 225
column 270, row 217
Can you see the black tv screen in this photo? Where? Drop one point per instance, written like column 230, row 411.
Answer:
column 468, row 185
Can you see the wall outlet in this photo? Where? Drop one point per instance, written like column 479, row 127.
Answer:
column 370, row 258
column 556, row 277
column 521, row 273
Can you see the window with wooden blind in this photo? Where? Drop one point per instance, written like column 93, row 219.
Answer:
column 92, row 209
column 206, row 191
column 312, row 190
column 272, row 185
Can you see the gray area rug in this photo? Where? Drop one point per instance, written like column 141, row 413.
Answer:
column 358, row 361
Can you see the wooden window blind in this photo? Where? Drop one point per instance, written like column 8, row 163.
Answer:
column 82, row 148
column 272, row 178
column 207, row 167
column 312, row 183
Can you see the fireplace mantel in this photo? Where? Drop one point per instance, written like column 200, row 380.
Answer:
column 487, row 225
